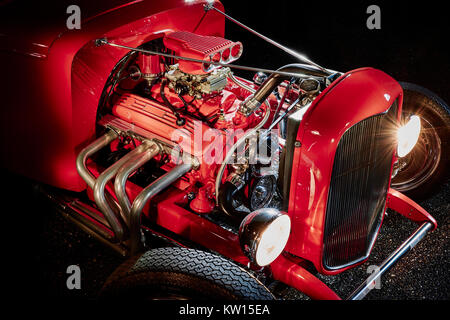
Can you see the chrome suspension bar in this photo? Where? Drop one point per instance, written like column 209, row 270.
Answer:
column 104, row 41
column 405, row 247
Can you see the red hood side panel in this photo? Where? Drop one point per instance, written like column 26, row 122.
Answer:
column 31, row 28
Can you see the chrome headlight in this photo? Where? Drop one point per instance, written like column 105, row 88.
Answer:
column 407, row 136
column 263, row 234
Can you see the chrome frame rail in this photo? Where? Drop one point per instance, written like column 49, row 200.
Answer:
column 70, row 209
column 360, row 292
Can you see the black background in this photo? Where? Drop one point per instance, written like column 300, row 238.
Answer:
column 412, row 44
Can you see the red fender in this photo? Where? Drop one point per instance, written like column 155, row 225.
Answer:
column 294, row 275
column 400, row 203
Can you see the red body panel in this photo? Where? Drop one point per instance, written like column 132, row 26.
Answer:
column 355, row 96
column 173, row 217
column 25, row 32
column 52, row 113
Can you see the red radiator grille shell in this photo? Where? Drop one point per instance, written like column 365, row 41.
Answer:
column 191, row 45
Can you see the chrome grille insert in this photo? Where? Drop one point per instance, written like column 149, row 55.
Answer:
column 358, row 188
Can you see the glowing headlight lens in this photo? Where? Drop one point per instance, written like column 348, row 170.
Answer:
column 263, row 234
column 273, row 240
column 407, row 136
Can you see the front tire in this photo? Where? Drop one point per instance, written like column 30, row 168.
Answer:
column 425, row 168
column 181, row 273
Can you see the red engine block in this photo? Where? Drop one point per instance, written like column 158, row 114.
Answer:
column 195, row 138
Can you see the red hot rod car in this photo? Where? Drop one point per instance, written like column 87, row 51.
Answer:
column 138, row 130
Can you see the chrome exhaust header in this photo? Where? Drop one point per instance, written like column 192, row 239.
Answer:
column 99, row 191
column 121, row 216
column 365, row 287
column 88, row 151
column 146, row 195
column 126, row 170
column 116, row 214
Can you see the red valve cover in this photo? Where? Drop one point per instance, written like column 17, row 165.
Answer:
column 160, row 120
column 210, row 48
